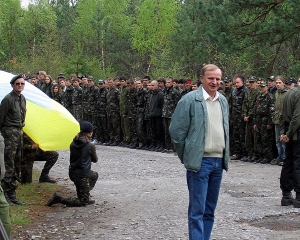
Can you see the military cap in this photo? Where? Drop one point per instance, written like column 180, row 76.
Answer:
column 182, row 80
column 15, row 78
column 263, row 83
column 291, row 80
column 60, row 75
column 226, row 79
column 271, row 78
column 101, row 81
column 86, row 127
column 252, row 79
column 90, row 78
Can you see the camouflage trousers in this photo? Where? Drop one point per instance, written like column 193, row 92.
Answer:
column 132, row 129
column 140, row 128
column 250, row 139
column 239, row 136
column 30, row 156
column 4, row 214
column 13, row 141
column 77, row 112
column 83, row 188
column 114, row 126
column 101, row 126
column 149, row 132
column 264, row 140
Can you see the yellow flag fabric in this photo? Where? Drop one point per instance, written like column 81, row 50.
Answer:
column 47, row 122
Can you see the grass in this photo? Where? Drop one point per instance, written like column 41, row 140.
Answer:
column 35, row 195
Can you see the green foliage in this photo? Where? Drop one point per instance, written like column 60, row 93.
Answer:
column 154, row 37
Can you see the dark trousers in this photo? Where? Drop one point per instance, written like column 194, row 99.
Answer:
column 157, row 129
column 290, row 172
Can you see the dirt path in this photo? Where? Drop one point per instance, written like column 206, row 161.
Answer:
column 143, row 195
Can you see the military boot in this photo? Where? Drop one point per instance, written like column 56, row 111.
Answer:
column 8, row 199
column 56, row 198
column 12, row 197
column 287, row 199
column 46, row 178
column 296, row 201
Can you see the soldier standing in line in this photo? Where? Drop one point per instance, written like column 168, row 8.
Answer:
column 237, row 118
column 12, row 121
column 113, row 113
column 77, row 100
column 271, row 85
column 264, row 112
column 33, row 153
column 279, row 98
column 85, row 88
column 101, row 118
column 140, row 104
column 67, row 96
column 155, row 111
column 124, row 112
column 151, row 145
column 248, row 115
column 132, row 113
column 171, row 98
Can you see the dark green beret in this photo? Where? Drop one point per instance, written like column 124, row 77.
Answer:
column 15, row 78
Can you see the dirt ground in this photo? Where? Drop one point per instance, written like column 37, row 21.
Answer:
column 143, row 195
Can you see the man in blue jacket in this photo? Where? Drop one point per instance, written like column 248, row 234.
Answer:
column 200, row 133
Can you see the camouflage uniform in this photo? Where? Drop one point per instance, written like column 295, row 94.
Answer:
column 12, row 117
column 124, row 114
column 171, row 98
column 91, row 98
column 113, row 114
column 248, row 111
column 67, row 98
column 30, row 155
column 264, row 111
column 141, row 130
column 77, row 103
column 132, row 115
column 238, row 121
column 85, row 103
column 101, row 116
column 149, row 132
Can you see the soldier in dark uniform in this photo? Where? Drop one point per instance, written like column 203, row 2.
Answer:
column 85, row 88
column 155, row 111
column 132, row 113
column 150, row 143
column 91, row 97
column 33, row 153
column 101, row 116
column 82, row 154
column 264, row 111
column 77, row 100
column 67, row 96
column 237, row 118
column 171, row 98
column 113, row 113
column 124, row 112
column 271, row 85
column 140, row 104
column 248, row 115
column 12, row 121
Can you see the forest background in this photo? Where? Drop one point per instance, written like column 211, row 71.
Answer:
column 175, row 38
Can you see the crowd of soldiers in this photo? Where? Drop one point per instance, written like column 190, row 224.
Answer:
column 136, row 113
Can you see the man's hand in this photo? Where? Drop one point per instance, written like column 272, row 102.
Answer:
column 246, row 119
column 284, row 138
column 269, row 126
column 35, row 146
column 255, row 127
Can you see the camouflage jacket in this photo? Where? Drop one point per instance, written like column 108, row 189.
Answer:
column 67, row 96
column 237, row 100
column 249, row 103
column 77, row 96
column 141, row 100
column 101, row 101
column 132, row 102
column 92, row 95
column 113, row 100
column 264, row 109
column 147, row 105
column 85, row 89
column 171, row 98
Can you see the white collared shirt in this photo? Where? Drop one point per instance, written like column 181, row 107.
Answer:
column 206, row 96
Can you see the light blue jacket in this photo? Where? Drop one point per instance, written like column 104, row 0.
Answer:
column 188, row 129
